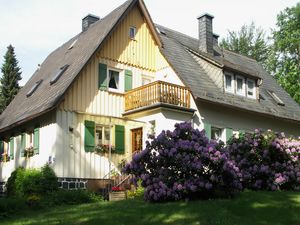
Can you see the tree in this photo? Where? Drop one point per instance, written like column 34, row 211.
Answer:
column 11, row 75
column 284, row 61
column 249, row 41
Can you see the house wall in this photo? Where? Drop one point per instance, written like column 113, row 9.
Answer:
column 47, row 138
column 72, row 160
column 240, row 120
column 142, row 52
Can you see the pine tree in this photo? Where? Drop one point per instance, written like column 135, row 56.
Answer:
column 11, row 75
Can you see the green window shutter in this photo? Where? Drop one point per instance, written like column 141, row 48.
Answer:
column 228, row 133
column 120, row 139
column 102, row 77
column 36, row 140
column 89, row 136
column 11, row 148
column 207, row 128
column 241, row 133
column 23, row 144
column 1, row 148
column 128, row 80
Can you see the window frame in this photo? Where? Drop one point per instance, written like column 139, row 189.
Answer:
column 121, row 81
column 134, row 32
column 232, row 83
column 243, row 93
column 254, row 89
column 221, row 138
column 102, row 126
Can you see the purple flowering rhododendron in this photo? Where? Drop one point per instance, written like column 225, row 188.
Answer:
column 267, row 160
column 184, row 163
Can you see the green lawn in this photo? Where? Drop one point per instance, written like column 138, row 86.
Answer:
column 247, row 208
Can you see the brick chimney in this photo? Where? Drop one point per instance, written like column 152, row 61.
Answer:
column 205, row 30
column 88, row 21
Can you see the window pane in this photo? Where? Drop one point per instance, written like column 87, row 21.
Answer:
column 113, row 79
column 99, row 136
column 106, row 135
column 216, row 133
column 132, row 32
column 250, row 88
column 228, row 82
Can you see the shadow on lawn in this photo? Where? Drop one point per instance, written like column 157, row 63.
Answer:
column 259, row 208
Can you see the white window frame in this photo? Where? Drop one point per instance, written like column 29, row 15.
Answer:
column 102, row 127
column 120, row 89
column 222, row 136
column 243, row 93
column 232, row 83
column 134, row 32
column 254, row 89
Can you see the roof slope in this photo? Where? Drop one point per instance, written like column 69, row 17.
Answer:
column 178, row 50
column 47, row 96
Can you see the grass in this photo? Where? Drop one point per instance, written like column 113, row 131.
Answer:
column 251, row 208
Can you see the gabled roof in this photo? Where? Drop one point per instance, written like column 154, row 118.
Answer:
column 180, row 51
column 46, row 97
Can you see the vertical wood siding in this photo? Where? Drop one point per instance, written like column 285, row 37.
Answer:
column 140, row 52
column 46, row 148
column 72, row 160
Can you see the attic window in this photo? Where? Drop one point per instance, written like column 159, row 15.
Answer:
column 32, row 90
column 132, row 32
column 58, row 74
column 72, row 45
column 275, row 97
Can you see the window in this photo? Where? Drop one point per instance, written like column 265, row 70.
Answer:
column 132, row 32
column 146, row 80
column 229, row 83
column 251, row 88
column 102, row 135
column 58, row 74
column 113, row 79
column 240, row 85
column 32, row 90
column 216, row 133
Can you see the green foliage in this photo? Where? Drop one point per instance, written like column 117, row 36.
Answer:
column 10, row 205
column 249, row 41
column 138, row 192
column 11, row 75
column 284, row 62
column 70, row 197
column 32, row 181
column 11, row 182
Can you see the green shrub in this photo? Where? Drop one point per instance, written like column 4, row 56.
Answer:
column 11, row 182
column 70, row 197
column 26, row 182
column 10, row 205
column 138, row 192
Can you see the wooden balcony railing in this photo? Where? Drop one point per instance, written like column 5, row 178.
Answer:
column 157, row 92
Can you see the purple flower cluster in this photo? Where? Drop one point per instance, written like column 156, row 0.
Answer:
column 184, row 163
column 267, row 160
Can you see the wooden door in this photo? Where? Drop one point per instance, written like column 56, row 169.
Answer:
column 137, row 139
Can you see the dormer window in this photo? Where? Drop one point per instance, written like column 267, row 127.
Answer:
column 240, row 85
column 229, row 81
column 251, row 93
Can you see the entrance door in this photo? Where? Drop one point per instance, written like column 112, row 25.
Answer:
column 137, row 139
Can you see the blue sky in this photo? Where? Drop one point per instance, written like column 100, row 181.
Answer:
column 35, row 28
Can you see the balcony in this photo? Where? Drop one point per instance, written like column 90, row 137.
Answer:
column 157, row 93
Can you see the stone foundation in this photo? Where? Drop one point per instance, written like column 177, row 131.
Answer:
column 72, row 183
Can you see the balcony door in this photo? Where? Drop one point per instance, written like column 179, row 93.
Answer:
column 137, row 139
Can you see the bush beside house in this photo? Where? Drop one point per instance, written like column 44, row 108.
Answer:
column 184, row 163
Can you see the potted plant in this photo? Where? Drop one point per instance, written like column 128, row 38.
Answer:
column 29, row 151
column 102, row 148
